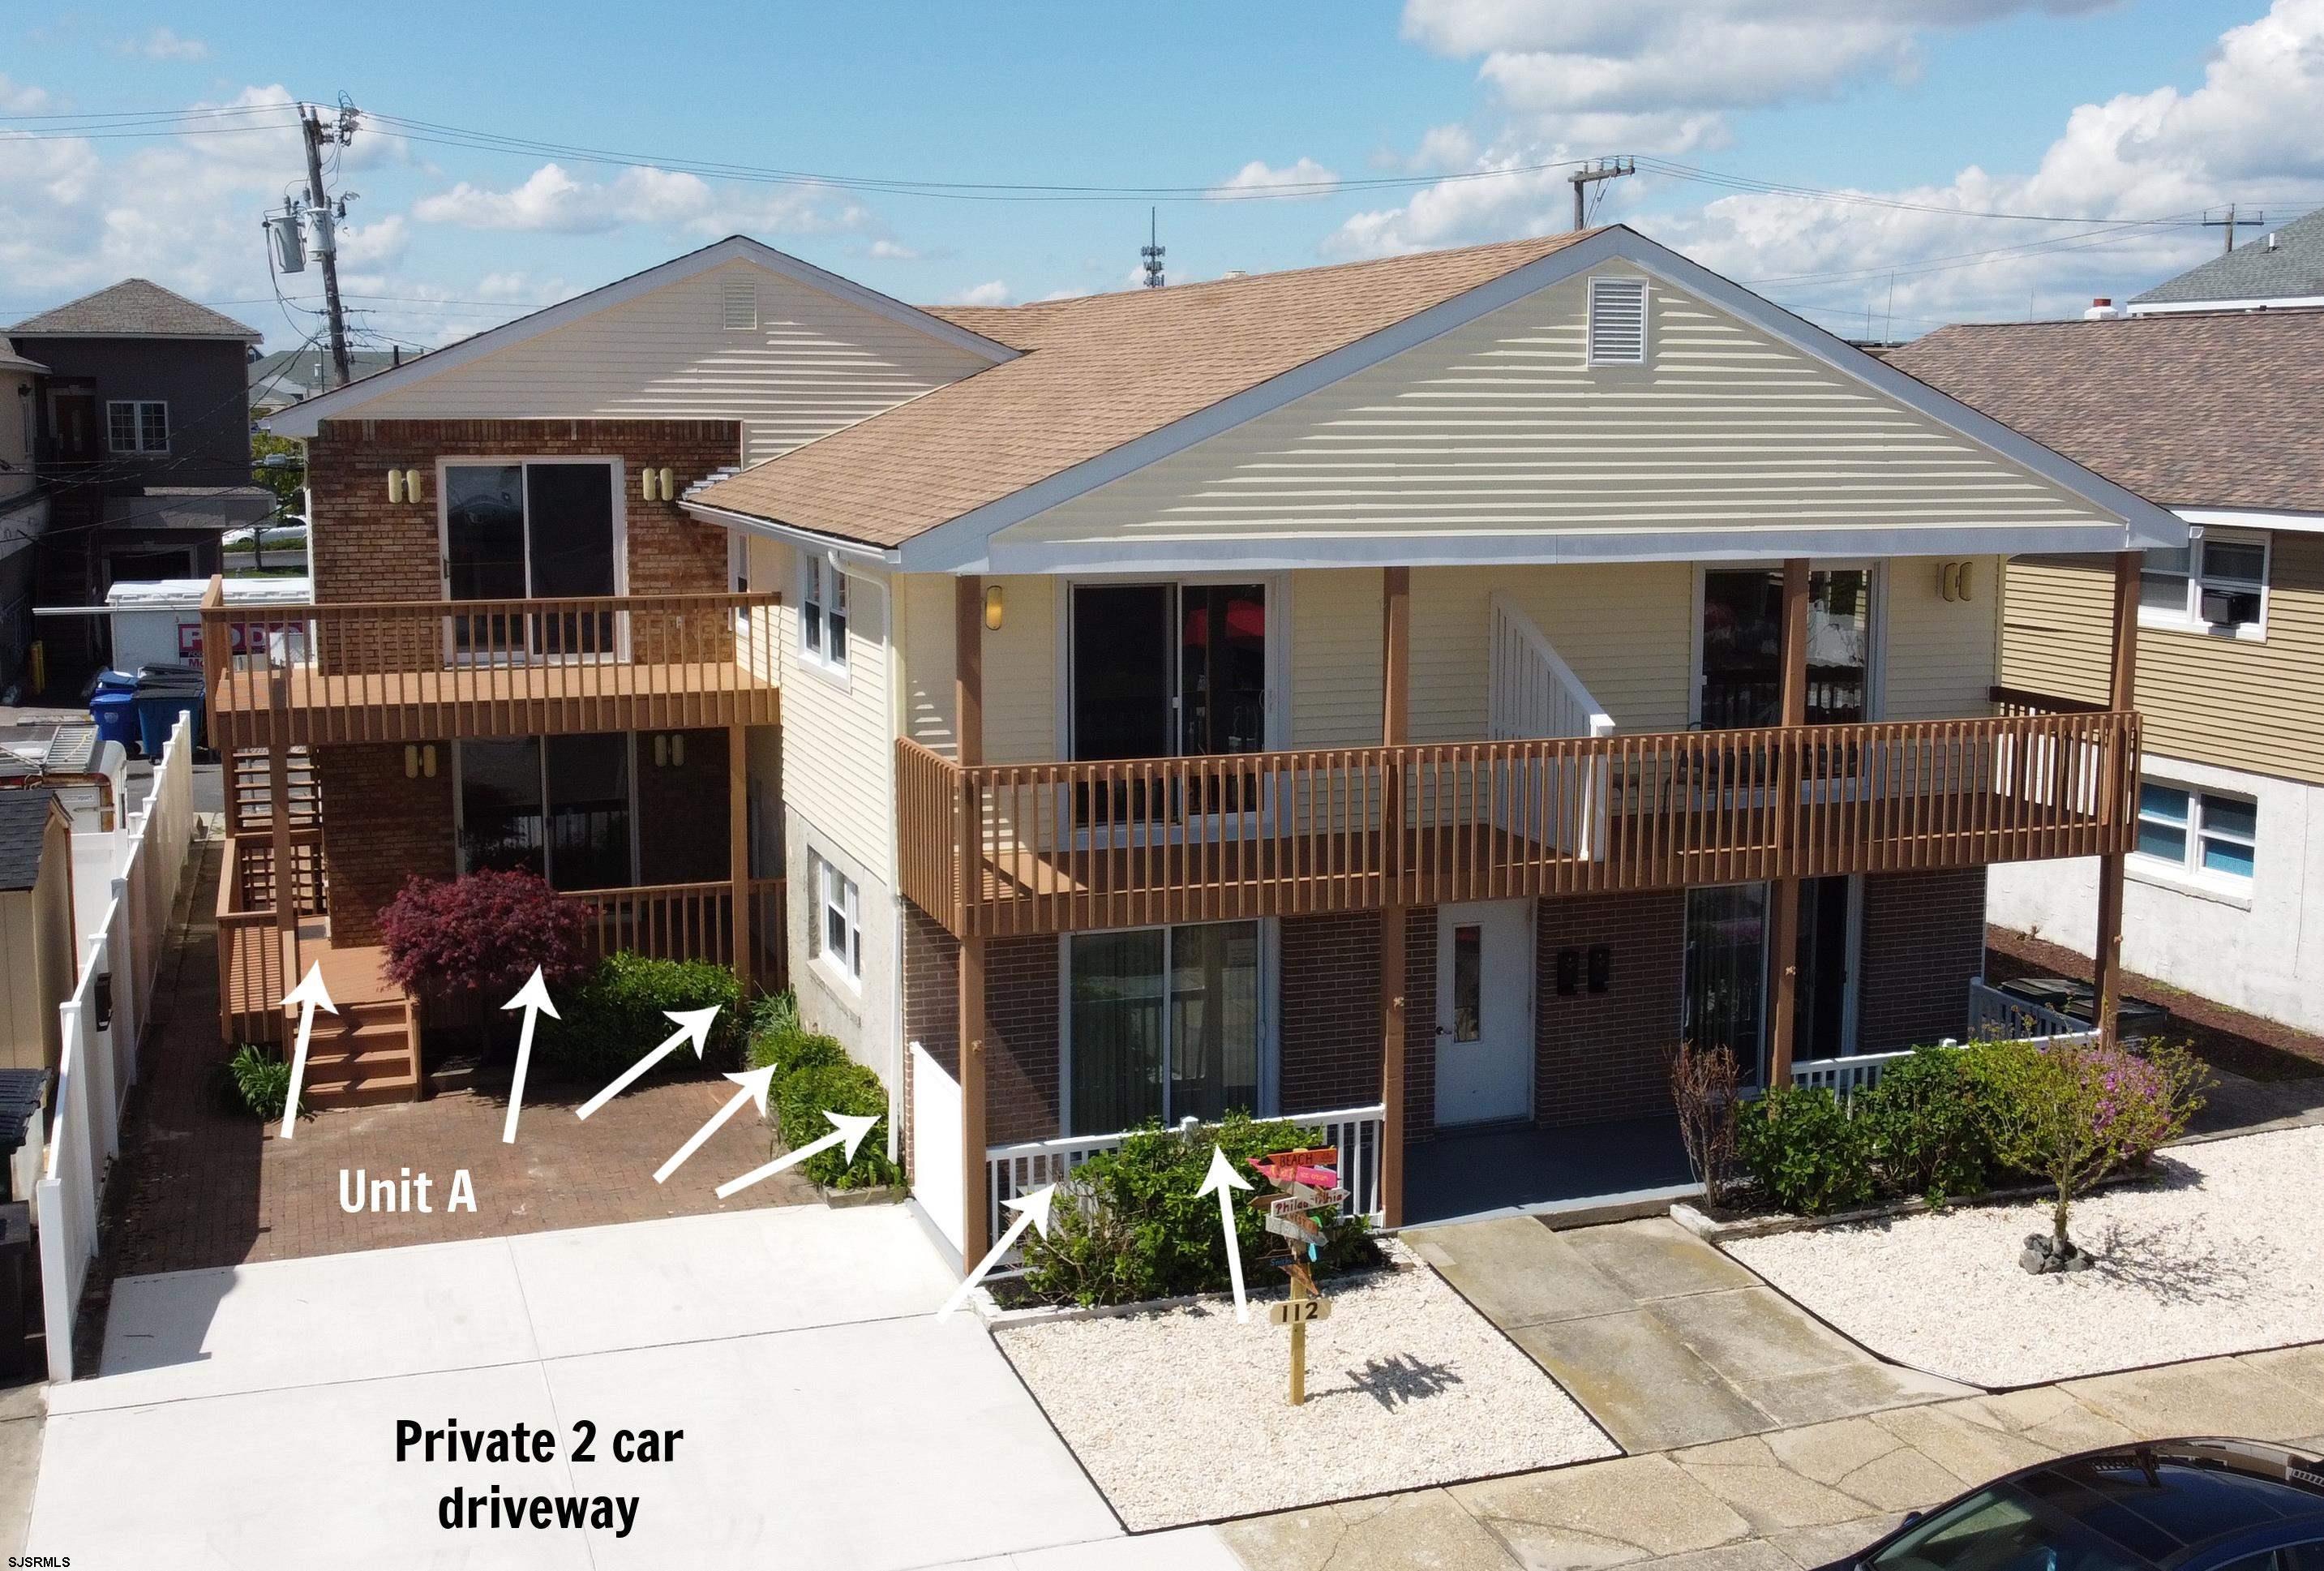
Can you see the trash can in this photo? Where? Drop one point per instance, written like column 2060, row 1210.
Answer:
column 2133, row 1021
column 16, row 1279
column 158, row 708
column 113, row 707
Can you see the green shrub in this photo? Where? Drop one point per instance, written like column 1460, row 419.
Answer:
column 257, row 1080
column 1928, row 1125
column 802, row 1096
column 1805, row 1150
column 1129, row 1224
column 778, row 1037
column 618, row 1014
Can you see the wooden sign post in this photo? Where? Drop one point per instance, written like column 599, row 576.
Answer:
column 1306, row 1182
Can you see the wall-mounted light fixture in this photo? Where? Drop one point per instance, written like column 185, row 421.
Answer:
column 418, row 760
column 658, row 484
column 993, row 608
column 1955, row 580
column 403, row 485
column 669, row 750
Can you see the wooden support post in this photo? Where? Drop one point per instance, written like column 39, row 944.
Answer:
column 968, row 729
column 738, row 851
column 1784, row 919
column 2122, row 695
column 286, row 876
column 1396, row 730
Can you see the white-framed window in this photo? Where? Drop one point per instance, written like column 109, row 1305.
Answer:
column 823, row 615
column 2209, row 834
column 836, row 938
column 137, row 425
column 1164, row 1024
column 2216, row 582
column 1617, row 321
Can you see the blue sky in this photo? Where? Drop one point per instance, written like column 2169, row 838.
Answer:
column 2112, row 111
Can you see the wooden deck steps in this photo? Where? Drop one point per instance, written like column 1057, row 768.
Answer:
column 369, row 1052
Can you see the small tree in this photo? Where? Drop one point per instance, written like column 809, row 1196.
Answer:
column 480, row 936
column 1702, row 1086
column 2070, row 1112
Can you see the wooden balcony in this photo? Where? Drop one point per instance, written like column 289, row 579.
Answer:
column 439, row 669
column 1006, row 849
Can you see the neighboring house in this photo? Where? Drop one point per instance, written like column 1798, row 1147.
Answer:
column 2218, row 417
column 37, row 970
column 2282, row 269
column 1617, row 646
column 555, row 667
column 144, row 437
column 1338, row 691
column 283, row 378
column 24, row 506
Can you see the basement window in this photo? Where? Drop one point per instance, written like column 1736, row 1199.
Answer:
column 1617, row 321
column 2206, row 833
column 836, row 934
column 2216, row 583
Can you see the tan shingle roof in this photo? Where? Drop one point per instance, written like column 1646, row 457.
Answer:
column 1098, row 372
column 133, row 308
column 2192, row 411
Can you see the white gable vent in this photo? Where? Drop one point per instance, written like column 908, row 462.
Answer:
column 1617, row 321
column 739, row 300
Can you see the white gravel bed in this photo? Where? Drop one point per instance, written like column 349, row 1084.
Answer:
column 1180, row 1415
column 2221, row 1251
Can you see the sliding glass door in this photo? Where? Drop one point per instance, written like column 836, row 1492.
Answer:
column 1741, row 680
column 557, row 806
column 532, row 530
column 1727, row 981
column 1162, row 1023
column 1167, row 670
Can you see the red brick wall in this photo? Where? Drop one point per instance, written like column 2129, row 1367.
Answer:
column 1605, row 1056
column 1924, row 939
column 1330, row 1015
column 378, row 829
column 1020, row 1022
column 366, row 547
column 683, row 833
column 931, row 1001
column 1420, row 1022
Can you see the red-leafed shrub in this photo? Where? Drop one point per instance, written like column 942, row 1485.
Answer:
column 482, row 934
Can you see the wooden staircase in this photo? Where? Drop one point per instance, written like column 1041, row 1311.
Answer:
column 367, row 1053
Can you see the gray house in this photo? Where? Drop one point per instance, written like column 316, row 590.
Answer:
column 143, row 437
column 2281, row 268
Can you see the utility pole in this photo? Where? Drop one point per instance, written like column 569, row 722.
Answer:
column 327, row 239
column 1590, row 175
column 2228, row 223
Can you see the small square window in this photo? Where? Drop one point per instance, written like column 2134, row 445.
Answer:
column 2198, row 832
column 137, row 426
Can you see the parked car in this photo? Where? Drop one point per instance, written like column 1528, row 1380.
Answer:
column 2172, row 1505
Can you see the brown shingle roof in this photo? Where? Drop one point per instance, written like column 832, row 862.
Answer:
column 1098, row 372
column 133, row 308
column 2193, row 410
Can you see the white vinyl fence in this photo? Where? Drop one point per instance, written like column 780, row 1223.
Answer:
column 936, row 1169
column 104, row 1022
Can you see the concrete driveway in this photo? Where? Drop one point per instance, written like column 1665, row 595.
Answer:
column 249, row 1416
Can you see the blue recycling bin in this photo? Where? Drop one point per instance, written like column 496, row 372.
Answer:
column 114, row 710
column 158, row 709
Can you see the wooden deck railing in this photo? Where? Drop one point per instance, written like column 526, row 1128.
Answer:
column 1050, row 847
column 257, row 957
column 428, row 670
column 691, row 921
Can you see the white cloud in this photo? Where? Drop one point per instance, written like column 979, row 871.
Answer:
column 1305, row 177
column 992, row 292
column 18, row 99
column 553, row 201
column 889, row 250
column 162, row 43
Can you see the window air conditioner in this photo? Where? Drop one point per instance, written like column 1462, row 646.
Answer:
column 2230, row 607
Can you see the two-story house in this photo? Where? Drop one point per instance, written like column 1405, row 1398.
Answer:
column 1420, row 691
column 2215, row 413
column 144, row 423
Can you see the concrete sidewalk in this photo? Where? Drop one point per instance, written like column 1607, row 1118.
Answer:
column 246, row 1416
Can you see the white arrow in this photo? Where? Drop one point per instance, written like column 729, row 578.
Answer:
column 1032, row 1211
column 848, row 1127
column 533, row 999
column 693, row 1024
column 753, row 1083
column 309, row 996
column 1223, row 1177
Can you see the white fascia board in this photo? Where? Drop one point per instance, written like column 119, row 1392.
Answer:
column 2291, row 302
column 849, row 550
column 953, row 546
column 1741, row 543
column 302, row 419
column 2255, row 518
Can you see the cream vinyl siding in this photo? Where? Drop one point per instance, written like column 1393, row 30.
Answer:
column 1336, row 687
column 1941, row 657
column 2238, row 704
column 925, row 663
column 813, row 364
column 838, row 763
column 1496, row 434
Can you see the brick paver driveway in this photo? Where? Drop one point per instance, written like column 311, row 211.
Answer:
column 200, row 1184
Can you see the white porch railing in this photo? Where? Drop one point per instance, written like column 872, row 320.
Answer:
column 1009, row 1170
column 121, row 962
column 1995, row 1013
column 1844, row 1077
column 1532, row 693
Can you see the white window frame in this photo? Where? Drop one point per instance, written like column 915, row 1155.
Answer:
column 2188, row 868
column 2188, row 617
column 137, row 408
column 836, row 895
column 822, row 616
column 1625, row 282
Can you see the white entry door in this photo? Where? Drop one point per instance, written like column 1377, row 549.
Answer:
column 1484, row 1012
